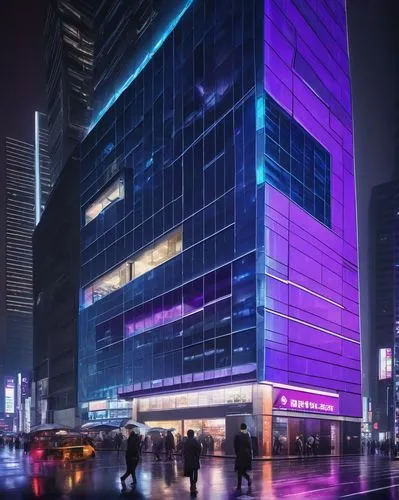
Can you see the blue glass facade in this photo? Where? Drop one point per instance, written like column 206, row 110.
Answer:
column 183, row 138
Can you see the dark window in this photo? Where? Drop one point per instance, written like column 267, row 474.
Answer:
column 109, row 332
column 244, row 347
column 244, row 292
column 296, row 164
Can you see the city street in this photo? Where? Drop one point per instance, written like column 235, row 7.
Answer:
column 322, row 478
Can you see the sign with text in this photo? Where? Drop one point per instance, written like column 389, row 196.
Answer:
column 385, row 364
column 297, row 400
column 9, row 392
column 25, row 389
column 97, row 405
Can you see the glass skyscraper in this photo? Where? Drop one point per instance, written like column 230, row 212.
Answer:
column 219, row 274
column 19, row 224
column 69, row 46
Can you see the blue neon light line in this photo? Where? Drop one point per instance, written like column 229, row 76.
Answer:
column 142, row 65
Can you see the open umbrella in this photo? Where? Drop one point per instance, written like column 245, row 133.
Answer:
column 132, row 424
column 98, row 427
column 49, row 427
column 155, row 430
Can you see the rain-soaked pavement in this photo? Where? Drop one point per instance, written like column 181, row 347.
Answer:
column 317, row 478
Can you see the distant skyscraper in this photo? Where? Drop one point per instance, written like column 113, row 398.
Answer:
column 42, row 165
column 69, row 59
column 384, row 307
column 19, row 224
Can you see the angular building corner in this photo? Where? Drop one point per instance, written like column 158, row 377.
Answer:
column 219, row 276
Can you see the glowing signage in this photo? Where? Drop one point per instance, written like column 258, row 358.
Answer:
column 294, row 400
column 97, row 405
column 9, row 392
column 385, row 364
column 25, row 390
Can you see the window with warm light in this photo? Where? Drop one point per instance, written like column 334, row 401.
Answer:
column 114, row 193
column 161, row 251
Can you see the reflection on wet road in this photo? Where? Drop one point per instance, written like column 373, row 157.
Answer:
column 323, row 478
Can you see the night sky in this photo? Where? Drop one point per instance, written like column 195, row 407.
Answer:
column 22, row 83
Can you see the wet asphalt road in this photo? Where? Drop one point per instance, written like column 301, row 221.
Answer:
column 316, row 478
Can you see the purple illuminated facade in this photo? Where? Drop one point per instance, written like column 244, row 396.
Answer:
column 312, row 311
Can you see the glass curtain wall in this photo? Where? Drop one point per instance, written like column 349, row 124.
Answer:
column 183, row 136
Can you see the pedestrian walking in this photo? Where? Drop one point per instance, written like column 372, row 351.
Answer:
column 169, row 445
column 132, row 457
column 309, row 445
column 299, row 446
column 316, row 444
column 191, row 457
column 157, row 444
column 243, row 451
column 118, row 441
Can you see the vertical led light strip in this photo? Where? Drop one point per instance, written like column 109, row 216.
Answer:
column 37, row 171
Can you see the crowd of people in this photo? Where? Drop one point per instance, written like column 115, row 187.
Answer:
column 309, row 446
column 385, row 447
column 17, row 441
column 191, row 450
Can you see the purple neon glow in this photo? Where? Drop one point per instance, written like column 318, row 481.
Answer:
column 294, row 400
column 312, row 335
column 312, row 292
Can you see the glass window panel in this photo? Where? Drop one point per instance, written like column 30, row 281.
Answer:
column 244, row 292
column 209, row 287
column 223, row 317
column 209, row 355
column 109, row 332
column 209, row 321
column 193, row 296
column 193, row 359
column 115, row 192
column 244, row 347
column 296, row 164
column 162, row 251
column 223, row 281
column 223, row 352
column 193, row 329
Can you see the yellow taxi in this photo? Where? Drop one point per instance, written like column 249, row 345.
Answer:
column 60, row 446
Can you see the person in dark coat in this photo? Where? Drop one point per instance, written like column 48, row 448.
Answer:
column 243, row 451
column 132, row 457
column 191, row 457
column 169, row 445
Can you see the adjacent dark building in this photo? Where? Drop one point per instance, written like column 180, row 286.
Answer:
column 56, row 281
column 384, row 308
column 69, row 45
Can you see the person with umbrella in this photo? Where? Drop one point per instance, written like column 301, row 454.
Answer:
column 133, row 452
column 191, row 457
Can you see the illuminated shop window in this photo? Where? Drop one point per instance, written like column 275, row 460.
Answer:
column 163, row 250
column 230, row 395
column 114, row 193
